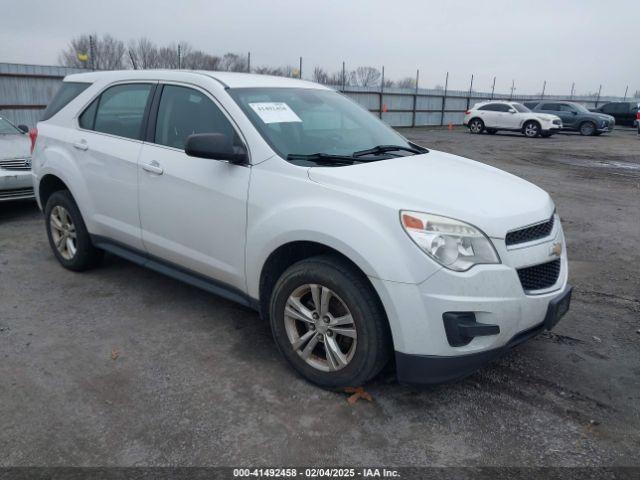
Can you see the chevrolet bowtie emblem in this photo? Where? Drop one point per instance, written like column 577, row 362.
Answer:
column 555, row 250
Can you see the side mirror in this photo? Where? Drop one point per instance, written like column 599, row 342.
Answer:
column 574, row 112
column 23, row 128
column 216, row 146
column 512, row 110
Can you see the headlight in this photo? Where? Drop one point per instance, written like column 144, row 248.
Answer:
column 453, row 244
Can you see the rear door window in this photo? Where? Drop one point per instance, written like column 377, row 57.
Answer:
column 68, row 91
column 492, row 107
column 119, row 110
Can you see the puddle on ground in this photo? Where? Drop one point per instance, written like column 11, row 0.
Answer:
column 609, row 164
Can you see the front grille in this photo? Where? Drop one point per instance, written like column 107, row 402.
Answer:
column 16, row 164
column 531, row 233
column 16, row 193
column 540, row 276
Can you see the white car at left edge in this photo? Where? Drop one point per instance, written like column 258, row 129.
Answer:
column 16, row 182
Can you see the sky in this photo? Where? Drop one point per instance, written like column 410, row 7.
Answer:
column 589, row 42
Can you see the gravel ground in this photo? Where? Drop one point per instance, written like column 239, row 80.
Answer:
column 122, row 366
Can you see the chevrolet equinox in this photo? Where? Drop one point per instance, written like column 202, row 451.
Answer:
column 356, row 244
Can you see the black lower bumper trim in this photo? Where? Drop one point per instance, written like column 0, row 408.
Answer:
column 433, row 369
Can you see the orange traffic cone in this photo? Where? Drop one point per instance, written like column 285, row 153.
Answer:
column 450, row 126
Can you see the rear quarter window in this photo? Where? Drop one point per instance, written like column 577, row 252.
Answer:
column 68, row 91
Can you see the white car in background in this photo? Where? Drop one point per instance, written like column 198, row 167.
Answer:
column 495, row 115
column 287, row 197
column 16, row 182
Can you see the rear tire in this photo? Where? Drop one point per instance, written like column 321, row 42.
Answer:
column 328, row 323
column 476, row 126
column 68, row 235
column 587, row 129
column 491, row 131
column 531, row 129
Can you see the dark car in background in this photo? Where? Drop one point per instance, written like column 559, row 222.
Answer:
column 625, row 113
column 575, row 117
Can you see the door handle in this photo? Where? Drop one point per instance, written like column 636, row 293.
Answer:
column 82, row 145
column 153, row 167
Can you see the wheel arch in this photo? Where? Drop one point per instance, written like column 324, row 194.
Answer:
column 292, row 252
column 48, row 185
column 530, row 120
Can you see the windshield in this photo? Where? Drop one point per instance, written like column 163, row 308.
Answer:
column 520, row 108
column 299, row 121
column 6, row 128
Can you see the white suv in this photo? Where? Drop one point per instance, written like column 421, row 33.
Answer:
column 512, row 116
column 287, row 197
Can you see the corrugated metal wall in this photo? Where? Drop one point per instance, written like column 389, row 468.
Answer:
column 25, row 90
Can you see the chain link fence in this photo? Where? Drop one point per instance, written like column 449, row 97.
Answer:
column 25, row 91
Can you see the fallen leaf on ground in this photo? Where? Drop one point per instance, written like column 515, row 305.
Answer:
column 115, row 353
column 357, row 392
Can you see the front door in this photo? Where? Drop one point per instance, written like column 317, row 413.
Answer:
column 193, row 210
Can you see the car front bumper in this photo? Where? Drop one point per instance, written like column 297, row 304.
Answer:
column 16, row 185
column 605, row 128
column 492, row 295
column 433, row 369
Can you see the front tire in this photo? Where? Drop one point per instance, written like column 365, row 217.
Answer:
column 328, row 323
column 492, row 131
column 531, row 129
column 587, row 129
column 68, row 235
column 476, row 126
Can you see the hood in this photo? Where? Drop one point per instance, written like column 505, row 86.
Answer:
column 14, row 146
column 547, row 116
column 604, row 116
column 447, row 185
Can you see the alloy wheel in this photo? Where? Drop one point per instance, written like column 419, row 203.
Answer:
column 320, row 327
column 63, row 232
column 531, row 130
column 475, row 127
column 587, row 129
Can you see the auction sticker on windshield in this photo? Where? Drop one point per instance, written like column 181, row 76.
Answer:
column 275, row 112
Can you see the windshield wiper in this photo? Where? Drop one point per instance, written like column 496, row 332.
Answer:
column 324, row 158
column 388, row 148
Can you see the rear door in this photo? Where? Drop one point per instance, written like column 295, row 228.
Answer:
column 561, row 110
column 192, row 210
column 107, row 147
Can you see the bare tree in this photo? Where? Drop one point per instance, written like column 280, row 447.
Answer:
column 388, row 83
column 91, row 51
column 286, row 71
column 367, row 76
column 199, row 60
column 233, row 62
column 406, row 82
column 320, row 76
column 168, row 56
column 143, row 53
